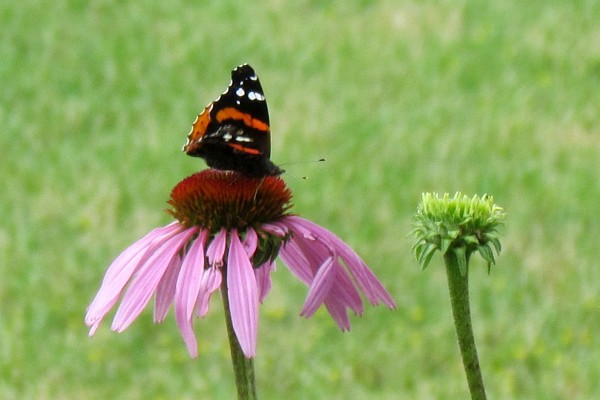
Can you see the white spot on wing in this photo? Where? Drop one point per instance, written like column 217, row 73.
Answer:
column 256, row 96
column 244, row 139
column 240, row 92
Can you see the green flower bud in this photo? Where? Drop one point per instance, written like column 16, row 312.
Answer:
column 458, row 224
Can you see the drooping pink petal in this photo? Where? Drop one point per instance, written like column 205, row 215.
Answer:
column 261, row 272
column 186, row 292
column 344, row 290
column 211, row 282
column 343, row 295
column 188, row 283
column 250, row 242
column 263, row 279
column 165, row 291
column 211, row 277
column 296, row 261
column 337, row 303
column 109, row 294
column 305, row 254
column 364, row 277
column 313, row 248
column 338, row 312
column 276, row 229
column 243, row 296
column 121, row 270
column 154, row 237
column 300, row 226
column 146, row 280
column 216, row 249
column 320, row 287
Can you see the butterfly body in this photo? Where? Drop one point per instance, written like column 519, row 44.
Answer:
column 233, row 133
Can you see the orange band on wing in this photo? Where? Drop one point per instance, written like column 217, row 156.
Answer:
column 232, row 113
column 244, row 149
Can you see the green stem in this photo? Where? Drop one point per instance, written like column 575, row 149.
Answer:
column 458, row 285
column 243, row 368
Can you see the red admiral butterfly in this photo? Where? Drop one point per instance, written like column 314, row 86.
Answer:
column 232, row 133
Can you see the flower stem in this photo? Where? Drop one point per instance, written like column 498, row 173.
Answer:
column 243, row 368
column 458, row 285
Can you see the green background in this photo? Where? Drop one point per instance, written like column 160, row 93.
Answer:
column 97, row 98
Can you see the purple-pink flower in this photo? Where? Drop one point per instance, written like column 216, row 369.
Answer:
column 184, row 263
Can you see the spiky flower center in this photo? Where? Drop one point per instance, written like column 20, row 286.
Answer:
column 216, row 199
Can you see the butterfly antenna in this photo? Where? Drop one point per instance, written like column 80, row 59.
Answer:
column 301, row 162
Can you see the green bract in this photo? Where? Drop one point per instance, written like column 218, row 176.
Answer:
column 458, row 224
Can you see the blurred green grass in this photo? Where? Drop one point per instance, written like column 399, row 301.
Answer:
column 96, row 101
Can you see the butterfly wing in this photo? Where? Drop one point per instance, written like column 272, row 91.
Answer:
column 232, row 133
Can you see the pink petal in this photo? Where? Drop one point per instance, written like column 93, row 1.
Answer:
column 275, row 229
column 314, row 249
column 154, row 237
column 165, row 291
column 243, row 296
column 262, row 273
column 211, row 281
column 188, row 283
column 250, row 242
column 121, row 270
column 319, row 288
column 296, row 261
column 263, row 279
column 145, row 282
column 343, row 295
column 364, row 277
column 186, row 292
column 345, row 291
column 109, row 293
column 338, row 312
column 216, row 249
column 301, row 226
